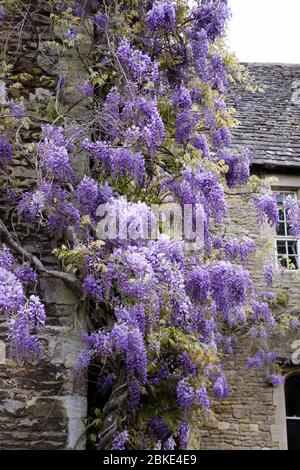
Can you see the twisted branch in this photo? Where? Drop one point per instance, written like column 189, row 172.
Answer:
column 111, row 411
column 6, row 236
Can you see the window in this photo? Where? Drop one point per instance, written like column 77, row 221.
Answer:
column 292, row 405
column 287, row 246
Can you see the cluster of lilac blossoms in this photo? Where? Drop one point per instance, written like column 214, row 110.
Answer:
column 162, row 16
column 25, row 316
column 293, row 216
column 5, row 150
column 54, row 155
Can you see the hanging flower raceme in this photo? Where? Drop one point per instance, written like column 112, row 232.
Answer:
column 2, row 14
column 136, row 63
column 54, row 155
column 5, row 151
column 220, row 387
column 212, row 17
column 230, row 287
column 239, row 249
column 238, row 168
column 162, row 16
column 90, row 194
column 293, row 216
column 25, row 316
column 198, row 284
column 17, row 110
column 269, row 272
column 267, row 209
column 31, row 206
column 119, row 441
column 119, row 162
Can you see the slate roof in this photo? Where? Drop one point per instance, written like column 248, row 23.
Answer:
column 270, row 121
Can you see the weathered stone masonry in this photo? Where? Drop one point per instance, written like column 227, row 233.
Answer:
column 253, row 416
column 42, row 406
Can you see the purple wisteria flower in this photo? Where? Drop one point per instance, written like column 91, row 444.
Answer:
column 139, row 64
column 32, row 205
column 162, row 16
column 198, row 284
column 134, row 396
column 26, row 275
column 93, row 287
column 185, row 394
column 295, row 323
column 60, row 6
column 158, row 428
column 120, row 440
column 269, row 272
column 72, row 34
column 220, row 387
column 35, row 313
column 200, row 48
column 54, row 155
column 101, row 20
column 7, row 259
column 200, row 143
column 2, row 14
column 87, row 88
column 239, row 249
column 275, row 380
column 267, row 208
column 119, row 162
column 18, row 110
column 184, row 434
column 293, row 216
column 238, row 168
column 202, row 398
column 88, row 196
column 12, row 297
column 212, row 17
column 5, row 150
column 169, row 444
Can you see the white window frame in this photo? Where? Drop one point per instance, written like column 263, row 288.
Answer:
column 287, row 238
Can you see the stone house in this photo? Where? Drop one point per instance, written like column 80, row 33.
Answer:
column 256, row 415
column 44, row 406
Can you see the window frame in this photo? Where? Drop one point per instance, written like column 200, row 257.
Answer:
column 287, row 238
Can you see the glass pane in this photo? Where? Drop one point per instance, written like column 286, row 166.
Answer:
column 281, row 229
column 292, row 396
column 288, row 229
column 281, row 247
column 282, row 261
column 292, row 247
column 293, row 262
column 293, row 432
column 281, row 197
column 281, row 214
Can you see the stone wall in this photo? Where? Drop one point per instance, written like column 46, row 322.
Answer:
column 42, row 405
column 253, row 415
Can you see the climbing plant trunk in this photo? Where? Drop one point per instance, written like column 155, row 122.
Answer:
column 112, row 410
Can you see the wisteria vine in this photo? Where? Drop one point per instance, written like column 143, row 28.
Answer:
column 156, row 129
